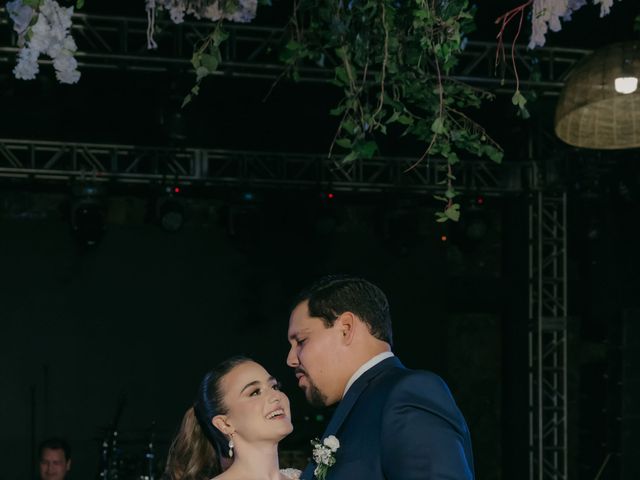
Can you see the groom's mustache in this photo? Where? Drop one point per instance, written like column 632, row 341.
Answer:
column 300, row 370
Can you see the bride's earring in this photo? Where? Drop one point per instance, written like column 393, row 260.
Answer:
column 231, row 445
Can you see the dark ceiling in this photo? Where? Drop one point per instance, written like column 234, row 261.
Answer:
column 117, row 106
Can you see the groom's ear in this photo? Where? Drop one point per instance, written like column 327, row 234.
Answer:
column 221, row 423
column 346, row 324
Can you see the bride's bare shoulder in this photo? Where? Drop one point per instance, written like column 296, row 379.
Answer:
column 290, row 473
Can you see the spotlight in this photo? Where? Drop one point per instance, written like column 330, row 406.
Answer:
column 170, row 210
column 88, row 214
column 247, row 197
column 476, row 227
column 472, row 230
column 401, row 227
column 326, row 216
column 327, row 196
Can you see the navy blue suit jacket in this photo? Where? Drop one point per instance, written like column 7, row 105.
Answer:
column 398, row 424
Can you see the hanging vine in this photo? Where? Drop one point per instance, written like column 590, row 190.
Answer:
column 545, row 15
column 393, row 60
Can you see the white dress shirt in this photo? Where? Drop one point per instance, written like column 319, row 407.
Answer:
column 373, row 361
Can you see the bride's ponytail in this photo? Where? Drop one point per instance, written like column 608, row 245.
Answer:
column 191, row 455
column 200, row 449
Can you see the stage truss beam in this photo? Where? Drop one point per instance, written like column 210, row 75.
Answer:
column 62, row 162
column 111, row 42
column 548, row 315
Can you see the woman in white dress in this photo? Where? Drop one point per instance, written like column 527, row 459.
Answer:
column 233, row 429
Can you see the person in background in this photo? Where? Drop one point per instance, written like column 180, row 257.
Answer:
column 55, row 459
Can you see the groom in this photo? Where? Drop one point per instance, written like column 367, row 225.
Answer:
column 391, row 422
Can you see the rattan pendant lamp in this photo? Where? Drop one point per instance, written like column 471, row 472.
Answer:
column 599, row 106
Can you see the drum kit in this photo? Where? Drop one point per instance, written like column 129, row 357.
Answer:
column 129, row 455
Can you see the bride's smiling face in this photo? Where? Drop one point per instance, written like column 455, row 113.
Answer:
column 256, row 408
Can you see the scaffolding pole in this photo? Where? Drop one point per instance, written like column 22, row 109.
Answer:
column 548, row 432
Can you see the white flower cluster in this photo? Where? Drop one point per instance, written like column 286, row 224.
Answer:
column 546, row 15
column 49, row 35
column 324, row 455
column 244, row 12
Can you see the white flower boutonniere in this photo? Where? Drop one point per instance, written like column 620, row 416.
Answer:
column 324, row 455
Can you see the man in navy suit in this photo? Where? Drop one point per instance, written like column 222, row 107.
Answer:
column 392, row 423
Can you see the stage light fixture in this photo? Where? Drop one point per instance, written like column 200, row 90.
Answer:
column 88, row 214
column 170, row 209
column 327, row 196
column 476, row 227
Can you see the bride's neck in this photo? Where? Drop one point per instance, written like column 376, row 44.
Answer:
column 256, row 461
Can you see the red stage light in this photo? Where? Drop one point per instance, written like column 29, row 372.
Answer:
column 330, row 195
column 444, row 238
column 176, row 190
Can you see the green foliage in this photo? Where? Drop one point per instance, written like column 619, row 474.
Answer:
column 392, row 60
column 206, row 58
column 519, row 101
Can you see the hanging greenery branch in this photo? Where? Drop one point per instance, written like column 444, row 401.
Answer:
column 207, row 56
column 392, row 61
column 545, row 15
column 518, row 98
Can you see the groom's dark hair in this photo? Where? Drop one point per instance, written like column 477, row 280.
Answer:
column 333, row 295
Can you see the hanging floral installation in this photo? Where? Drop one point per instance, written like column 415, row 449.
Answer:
column 392, row 61
column 206, row 57
column 235, row 11
column 545, row 15
column 43, row 29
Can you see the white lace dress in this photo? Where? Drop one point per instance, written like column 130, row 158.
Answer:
column 292, row 473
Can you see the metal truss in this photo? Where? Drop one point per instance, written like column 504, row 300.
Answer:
column 109, row 42
column 548, row 429
column 61, row 162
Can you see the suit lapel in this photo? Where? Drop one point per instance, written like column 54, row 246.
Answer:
column 347, row 403
column 354, row 392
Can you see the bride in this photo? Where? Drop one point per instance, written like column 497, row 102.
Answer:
column 233, row 429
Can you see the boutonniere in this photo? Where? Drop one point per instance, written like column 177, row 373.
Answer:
column 324, row 454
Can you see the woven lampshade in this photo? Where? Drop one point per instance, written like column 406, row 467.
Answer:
column 590, row 113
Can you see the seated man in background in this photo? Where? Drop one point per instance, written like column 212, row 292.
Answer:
column 55, row 459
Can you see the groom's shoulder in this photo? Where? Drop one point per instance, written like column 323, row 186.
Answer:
column 398, row 373
column 401, row 380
